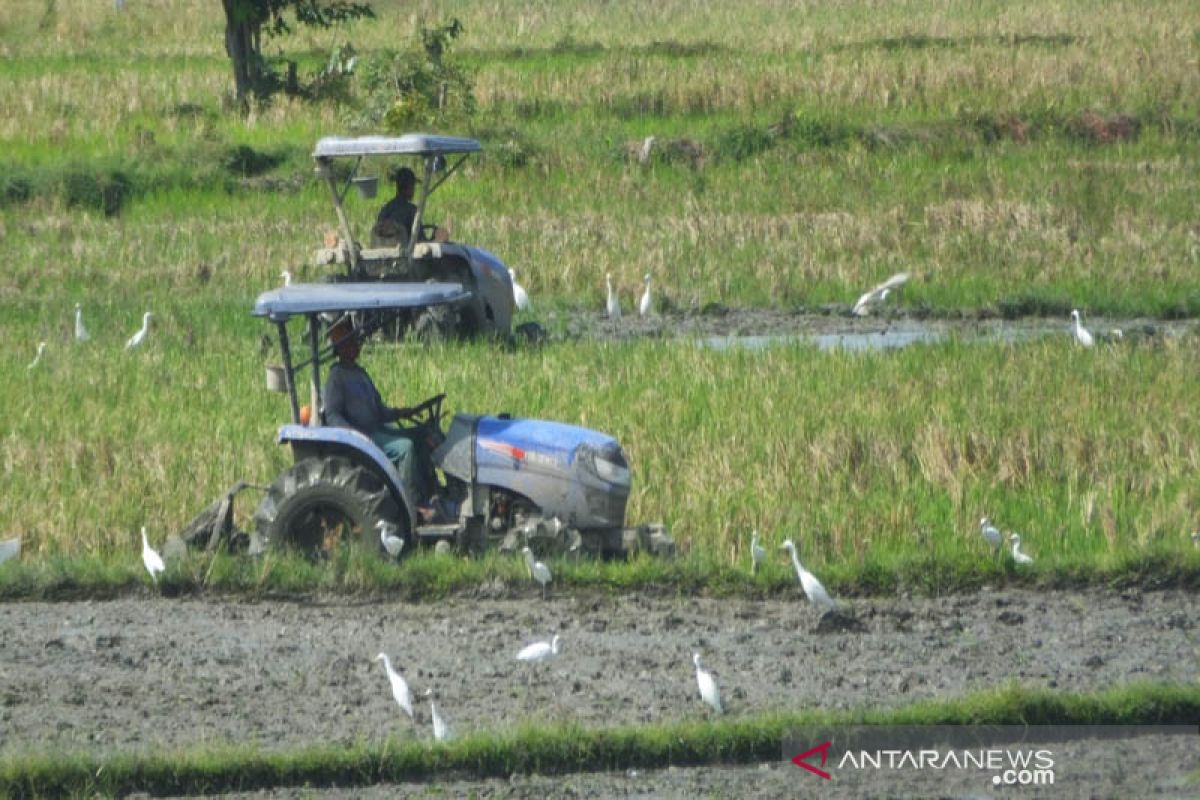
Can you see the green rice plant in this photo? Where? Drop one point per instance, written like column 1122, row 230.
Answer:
column 855, row 456
column 1014, row 160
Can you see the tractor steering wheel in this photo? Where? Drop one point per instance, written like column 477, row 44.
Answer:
column 428, row 412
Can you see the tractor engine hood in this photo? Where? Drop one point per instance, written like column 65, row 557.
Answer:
column 577, row 474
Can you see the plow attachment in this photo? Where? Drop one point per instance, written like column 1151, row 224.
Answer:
column 214, row 525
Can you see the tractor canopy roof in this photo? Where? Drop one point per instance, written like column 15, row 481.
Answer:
column 317, row 298
column 410, row 144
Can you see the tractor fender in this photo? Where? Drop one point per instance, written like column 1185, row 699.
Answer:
column 325, row 441
column 493, row 290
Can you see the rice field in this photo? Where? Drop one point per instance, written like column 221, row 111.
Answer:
column 1016, row 158
column 1007, row 155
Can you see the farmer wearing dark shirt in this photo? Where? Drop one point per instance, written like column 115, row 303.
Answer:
column 352, row 401
column 394, row 223
column 395, row 220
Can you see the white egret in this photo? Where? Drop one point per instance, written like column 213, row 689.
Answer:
column 813, row 589
column 613, row 305
column 140, row 336
column 646, row 149
column 37, row 358
column 990, row 533
column 9, row 549
column 1018, row 556
column 520, row 296
column 151, row 558
column 539, row 651
column 399, row 685
column 81, row 334
column 287, row 277
column 878, row 294
column 645, row 303
column 757, row 553
column 441, row 731
column 710, row 693
column 392, row 543
column 1082, row 335
column 537, row 570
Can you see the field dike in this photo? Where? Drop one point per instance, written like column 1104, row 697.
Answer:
column 559, row 749
column 428, row 577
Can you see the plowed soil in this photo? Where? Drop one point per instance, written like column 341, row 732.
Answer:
column 141, row 674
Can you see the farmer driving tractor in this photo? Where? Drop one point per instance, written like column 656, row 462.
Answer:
column 352, row 401
column 395, row 221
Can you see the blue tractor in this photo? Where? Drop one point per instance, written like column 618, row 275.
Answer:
column 503, row 480
column 361, row 254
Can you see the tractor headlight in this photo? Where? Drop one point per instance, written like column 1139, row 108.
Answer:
column 608, row 465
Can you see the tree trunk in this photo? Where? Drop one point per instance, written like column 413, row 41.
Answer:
column 241, row 43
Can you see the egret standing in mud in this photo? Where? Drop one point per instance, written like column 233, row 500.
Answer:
column 645, row 303
column 613, row 305
column 1018, row 556
column 1082, row 335
column 392, row 543
column 399, row 686
column 537, row 570
column 441, row 731
column 151, row 558
column 757, row 553
column 710, row 693
column 813, row 589
column 538, row 652
column 991, row 534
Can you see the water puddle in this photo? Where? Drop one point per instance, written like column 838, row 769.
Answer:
column 881, row 340
column 909, row 333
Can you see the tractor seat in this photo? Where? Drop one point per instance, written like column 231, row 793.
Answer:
column 387, row 234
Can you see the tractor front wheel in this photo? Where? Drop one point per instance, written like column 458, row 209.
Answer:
column 321, row 502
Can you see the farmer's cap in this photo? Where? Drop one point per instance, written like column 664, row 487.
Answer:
column 403, row 176
column 341, row 329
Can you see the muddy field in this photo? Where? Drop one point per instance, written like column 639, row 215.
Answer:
column 142, row 674
column 834, row 326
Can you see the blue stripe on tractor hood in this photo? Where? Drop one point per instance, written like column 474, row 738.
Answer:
column 552, row 438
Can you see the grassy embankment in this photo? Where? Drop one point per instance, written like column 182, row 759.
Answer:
column 978, row 147
column 561, row 749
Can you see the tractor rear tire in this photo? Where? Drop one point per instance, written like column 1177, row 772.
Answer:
column 319, row 503
column 436, row 324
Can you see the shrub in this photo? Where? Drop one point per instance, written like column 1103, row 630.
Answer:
column 245, row 162
column 741, row 143
column 419, row 86
column 104, row 190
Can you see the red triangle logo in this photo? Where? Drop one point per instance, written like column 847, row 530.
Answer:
column 823, row 749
